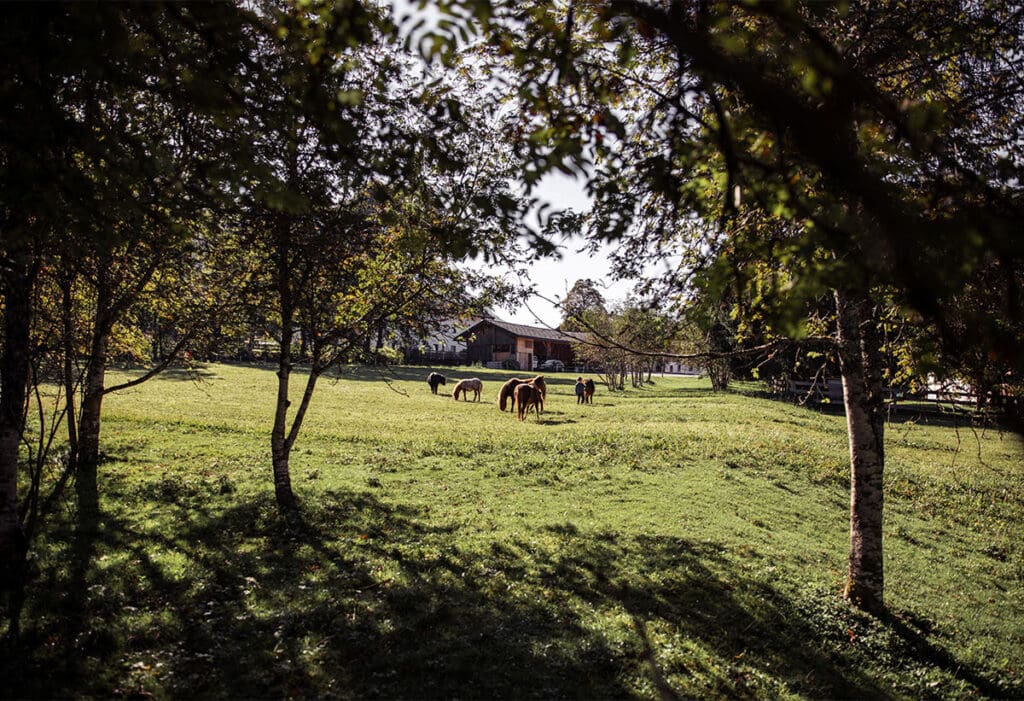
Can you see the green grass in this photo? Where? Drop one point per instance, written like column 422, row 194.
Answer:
column 663, row 542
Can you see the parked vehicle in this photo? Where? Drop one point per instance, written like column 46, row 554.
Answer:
column 552, row 365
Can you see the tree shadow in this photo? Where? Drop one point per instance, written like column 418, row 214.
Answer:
column 555, row 418
column 363, row 598
column 197, row 372
column 393, row 373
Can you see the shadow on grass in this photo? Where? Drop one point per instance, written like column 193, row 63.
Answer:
column 194, row 373
column 911, row 412
column 361, row 598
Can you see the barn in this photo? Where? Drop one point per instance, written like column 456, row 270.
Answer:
column 496, row 343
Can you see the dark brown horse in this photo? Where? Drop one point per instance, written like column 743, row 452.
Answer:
column 529, row 395
column 434, row 379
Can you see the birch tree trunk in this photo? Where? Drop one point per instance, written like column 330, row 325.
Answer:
column 860, row 364
column 67, row 318
column 280, row 447
column 280, row 450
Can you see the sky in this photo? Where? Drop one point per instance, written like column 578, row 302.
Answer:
column 553, row 278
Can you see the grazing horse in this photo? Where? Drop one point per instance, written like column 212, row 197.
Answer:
column 588, row 391
column 539, row 383
column 465, row 386
column 434, row 379
column 508, row 391
column 529, row 395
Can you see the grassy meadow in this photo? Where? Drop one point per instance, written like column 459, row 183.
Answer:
column 661, row 543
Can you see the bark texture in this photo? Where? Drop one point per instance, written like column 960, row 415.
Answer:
column 17, row 284
column 280, row 447
column 860, row 362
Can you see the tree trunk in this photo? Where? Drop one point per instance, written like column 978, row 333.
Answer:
column 280, row 449
column 720, row 373
column 860, row 363
column 282, row 438
column 90, row 412
column 280, row 446
column 68, row 344
column 92, row 402
column 18, row 284
column 89, row 419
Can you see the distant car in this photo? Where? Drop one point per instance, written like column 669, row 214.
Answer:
column 552, row 365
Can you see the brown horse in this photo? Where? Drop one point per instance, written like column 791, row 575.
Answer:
column 529, row 395
column 539, row 383
column 466, row 386
column 508, row 391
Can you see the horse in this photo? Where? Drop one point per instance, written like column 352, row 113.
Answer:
column 507, row 392
column 588, row 391
column 434, row 379
column 539, row 383
column 465, row 386
column 528, row 395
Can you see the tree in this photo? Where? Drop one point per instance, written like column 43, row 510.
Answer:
column 77, row 161
column 362, row 206
column 848, row 130
column 626, row 342
column 584, row 298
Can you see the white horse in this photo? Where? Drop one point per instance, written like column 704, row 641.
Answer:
column 465, row 386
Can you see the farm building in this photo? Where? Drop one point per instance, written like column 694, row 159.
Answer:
column 497, row 343
column 440, row 347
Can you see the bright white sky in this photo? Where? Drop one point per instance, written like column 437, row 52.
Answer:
column 553, row 278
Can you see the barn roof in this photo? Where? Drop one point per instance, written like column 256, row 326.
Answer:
column 538, row 332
